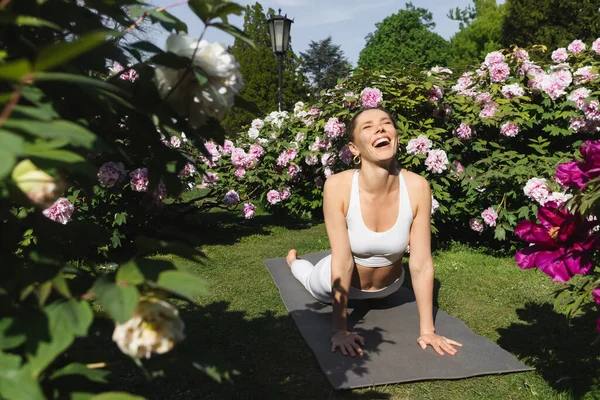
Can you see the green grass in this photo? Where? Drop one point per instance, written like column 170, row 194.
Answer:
column 242, row 324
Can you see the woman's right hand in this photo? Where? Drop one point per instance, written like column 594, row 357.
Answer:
column 347, row 342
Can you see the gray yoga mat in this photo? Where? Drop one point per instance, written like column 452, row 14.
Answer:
column 390, row 327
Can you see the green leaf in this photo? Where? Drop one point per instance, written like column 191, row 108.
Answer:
column 75, row 133
column 129, row 273
column 15, row 70
column 64, row 52
column 119, row 301
column 182, row 283
column 17, row 383
column 116, row 396
column 147, row 47
column 201, row 8
column 8, row 339
column 26, row 20
column 201, row 76
column 94, row 375
column 235, row 32
column 65, row 319
column 61, row 286
column 171, row 60
column 11, row 146
column 80, row 80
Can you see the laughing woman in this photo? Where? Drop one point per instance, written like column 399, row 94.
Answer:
column 371, row 215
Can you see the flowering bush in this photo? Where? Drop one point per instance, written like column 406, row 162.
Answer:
column 478, row 138
column 94, row 154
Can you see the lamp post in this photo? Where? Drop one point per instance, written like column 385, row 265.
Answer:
column 279, row 30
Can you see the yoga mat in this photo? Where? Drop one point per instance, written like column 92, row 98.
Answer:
column 390, row 327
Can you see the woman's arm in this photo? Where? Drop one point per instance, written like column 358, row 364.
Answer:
column 342, row 263
column 421, row 270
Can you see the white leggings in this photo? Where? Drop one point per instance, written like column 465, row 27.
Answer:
column 317, row 280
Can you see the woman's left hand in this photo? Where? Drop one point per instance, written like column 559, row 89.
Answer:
column 439, row 343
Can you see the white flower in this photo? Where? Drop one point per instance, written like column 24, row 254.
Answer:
column 155, row 327
column 190, row 99
column 253, row 133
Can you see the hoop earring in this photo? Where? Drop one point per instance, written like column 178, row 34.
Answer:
column 356, row 160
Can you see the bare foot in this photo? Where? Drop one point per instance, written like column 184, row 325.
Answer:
column 291, row 257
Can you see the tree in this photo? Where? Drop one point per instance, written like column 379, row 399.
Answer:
column 554, row 23
column 259, row 69
column 480, row 32
column 404, row 39
column 322, row 64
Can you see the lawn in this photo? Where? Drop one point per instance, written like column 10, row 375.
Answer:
column 241, row 324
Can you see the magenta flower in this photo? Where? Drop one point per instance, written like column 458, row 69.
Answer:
column 61, row 211
column 560, row 246
column 371, row 97
column 596, row 295
column 580, row 172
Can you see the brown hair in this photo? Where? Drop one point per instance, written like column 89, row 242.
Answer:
column 350, row 127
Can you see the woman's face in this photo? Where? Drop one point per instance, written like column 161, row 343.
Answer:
column 375, row 136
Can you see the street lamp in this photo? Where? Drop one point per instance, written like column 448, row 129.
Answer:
column 279, row 30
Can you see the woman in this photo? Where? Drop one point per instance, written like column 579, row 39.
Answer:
column 368, row 232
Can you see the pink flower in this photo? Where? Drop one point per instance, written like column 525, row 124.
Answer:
column 327, row 159
column 592, row 110
column 311, row 159
column 327, row 172
column 463, row 131
column 512, row 91
column 521, row 55
column 231, row 198
column 213, row 151
column 434, row 205
column 320, row 145
column 293, row 170
column 273, row 196
column 458, row 168
column 248, row 210
column 209, row 179
column 256, row 150
column 334, row 128
column 579, row 96
column 111, row 173
column 300, row 137
column 61, row 211
column 484, row 97
column 419, row 145
column 560, row 55
column 509, row 129
column 489, row 111
column 285, row 194
column 537, row 189
column 489, row 216
column 345, row 155
column 436, row 161
column 435, row 93
column 576, row 47
column 239, row 158
column 227, row 147
column 499, row 72
column 476, row 225
column 160, row 193
column 240, row 172
column 495, row 57
column 188, row 170
column 286, row 156
column 314, row 111
column 175, row 142
column 577, row 124
column 139, row 179
column 596, row 46
column 371, row 97
column 558, row 198
column 584, row 75
column 130, row 75
column 253, row 133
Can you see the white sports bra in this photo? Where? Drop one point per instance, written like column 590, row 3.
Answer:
column 378, row 249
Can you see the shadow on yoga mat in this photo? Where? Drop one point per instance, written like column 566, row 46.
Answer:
column 390, row 327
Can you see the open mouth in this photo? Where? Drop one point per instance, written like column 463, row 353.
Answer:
column 381, row 142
